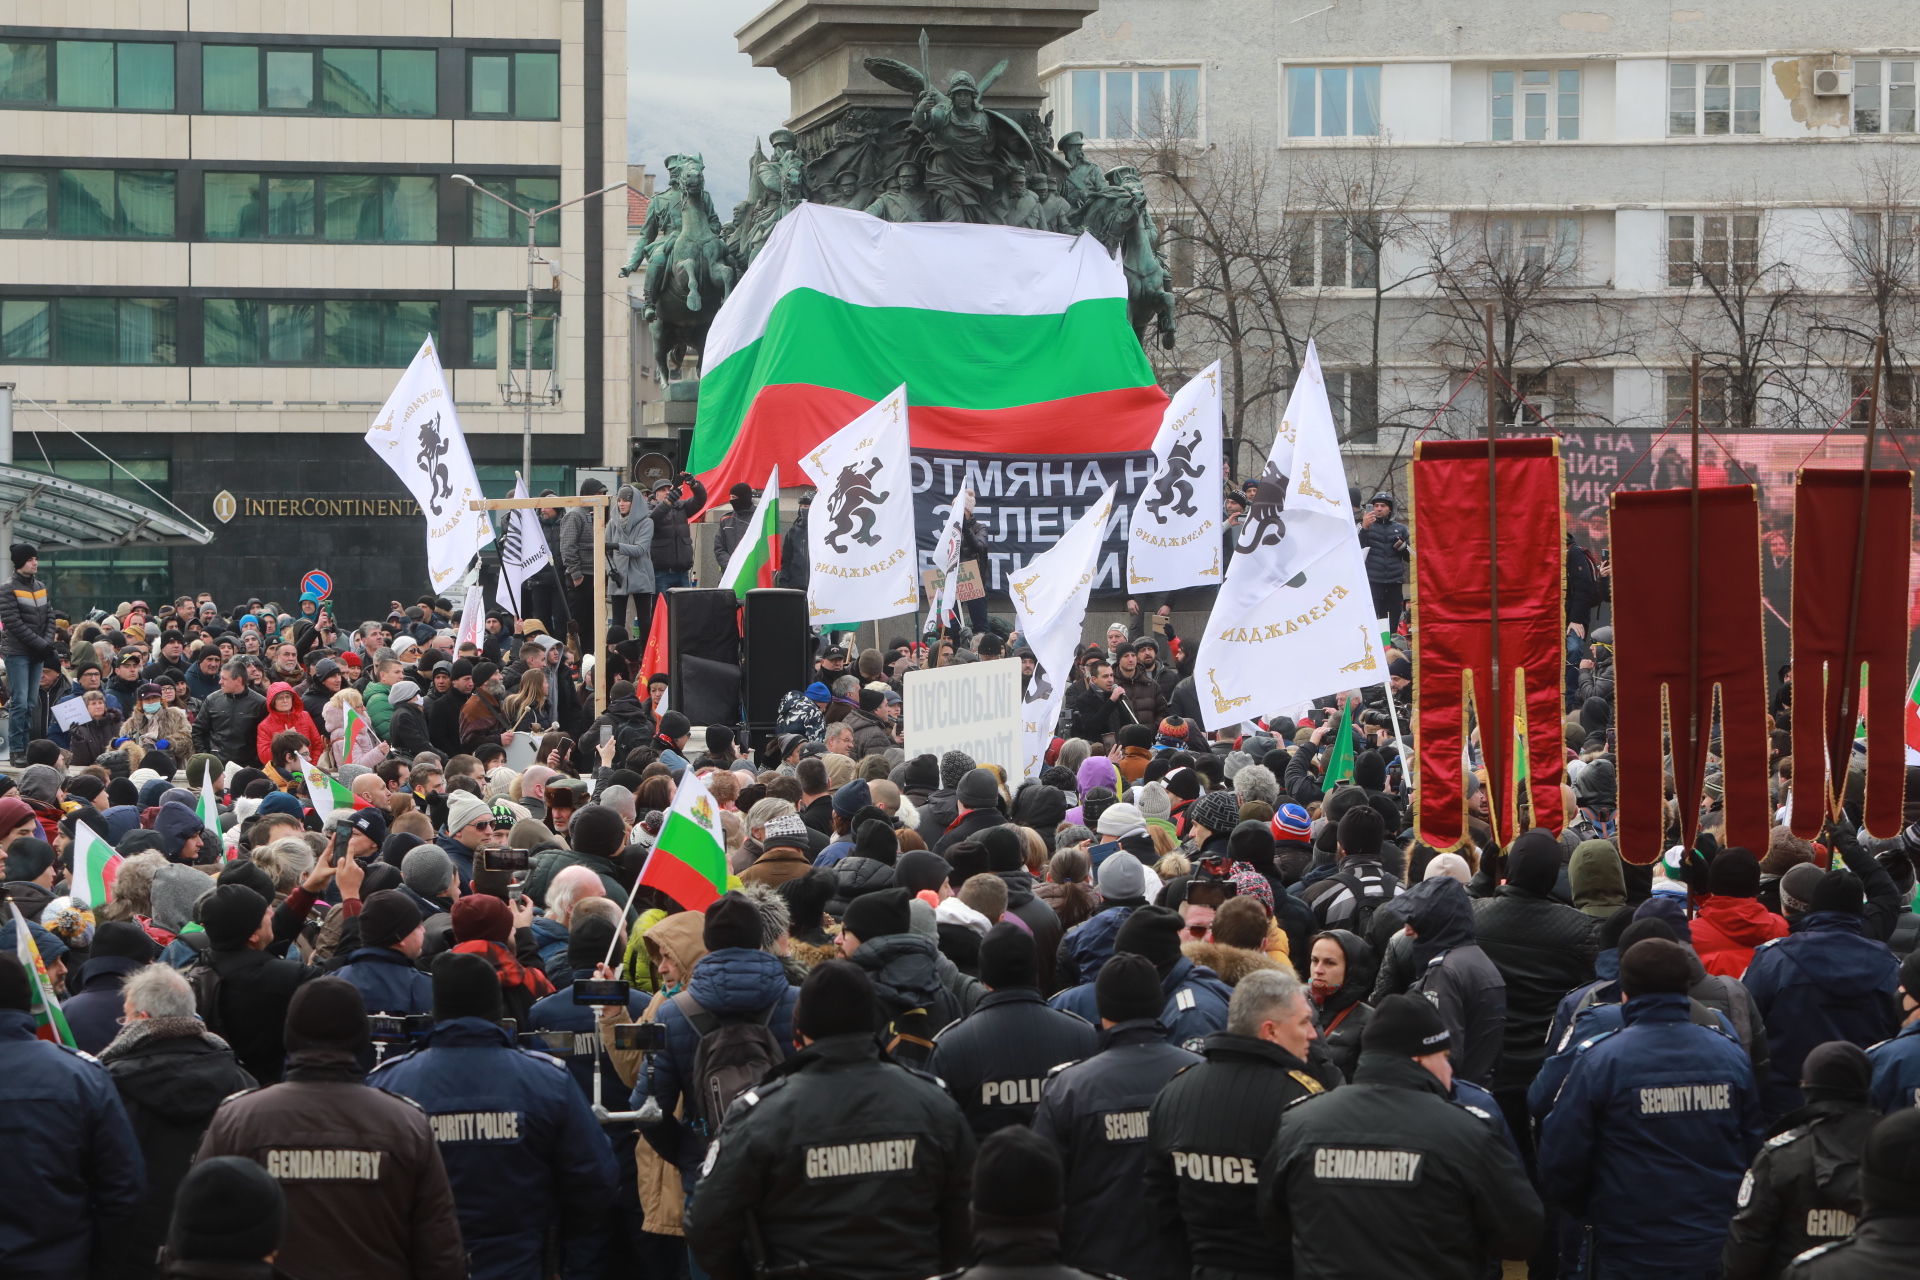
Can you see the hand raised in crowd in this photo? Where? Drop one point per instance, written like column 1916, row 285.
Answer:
column 522, row 913
column 606, row 750
column 348, row 874
column 321, row 875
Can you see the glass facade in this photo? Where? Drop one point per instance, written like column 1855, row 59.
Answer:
column 490, row 222
column 87, row 330
column 245, row 79
column 102, row 203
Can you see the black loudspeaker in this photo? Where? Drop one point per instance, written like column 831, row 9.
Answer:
column 778, row 655
column 703, row 654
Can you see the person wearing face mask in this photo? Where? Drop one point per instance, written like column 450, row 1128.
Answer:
column 155, row 724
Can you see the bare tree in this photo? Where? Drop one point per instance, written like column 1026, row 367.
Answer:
column 1546, row 321
column 1878, row 246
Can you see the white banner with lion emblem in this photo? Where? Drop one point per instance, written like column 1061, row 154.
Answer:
column 860, row 544
column 1174, row 541
column 418, row 434
column 1294, row 619
column 1050, row 594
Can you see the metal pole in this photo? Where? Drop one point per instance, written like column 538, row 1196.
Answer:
column 1840, row 734
column 594, row 610
column 1690, row 822
column 6, row 451
column 526, row 390
column 1490, row 742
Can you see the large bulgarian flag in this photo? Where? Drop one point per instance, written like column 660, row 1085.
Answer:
column 689, row 858
column 757, row 559
column 1009, row 340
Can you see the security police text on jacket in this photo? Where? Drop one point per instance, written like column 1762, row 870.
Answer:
column 367, row 1194
column 840, row 1162
column 1654, row 1128
column 522, row 1151
column 1212, row 1124
column 1095, row 1112
column 1804, row 1188
column 73, row 1171
column 1196, row 998
column 996, row 1059
column 1885, row 1244
column 1386, row 1177
column 1896, row 1062
column 1824, row 981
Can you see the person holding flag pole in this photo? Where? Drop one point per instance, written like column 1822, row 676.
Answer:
column 1050, row 595
column 757, row 559
column 946, row 561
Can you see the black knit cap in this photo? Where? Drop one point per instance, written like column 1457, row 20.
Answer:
column 227, row 1209
column 878, row 914
column 875, row 839
column 918, row 869
column 464, row 986
column 15, row 991
column 836, row 999
column 1007, row 957
column 1839, row 891
column 1361, row 832
column 1006, row 851
column 1153, row 932
column 28, row 857
column 1654, row 966
column 1128, row 989
column 1533, row 859
column 1734, row 873
column 1016, row 1175
column 732, row 921
column 251, row 874
column 1890, row 1166
column 230, row 914
column 597, row 830
column 1838, row 1070
column 386, row 918
column 588, row 938
column 125, row 939
column 327, row 1013
column 1405, row 1026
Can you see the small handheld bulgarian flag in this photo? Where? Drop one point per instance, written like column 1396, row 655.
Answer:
column 49, row 1022
column 757, row 559
column 95, row 867
column 325, row 794
column 351, row 722
column 1340, row 758
column 689, row 859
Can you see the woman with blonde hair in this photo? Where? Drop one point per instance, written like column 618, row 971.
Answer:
column 526, row 710
column 366, row 748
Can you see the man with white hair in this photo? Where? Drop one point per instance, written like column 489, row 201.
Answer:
column 569, row 885
column 840, row 739
column 171, row 1073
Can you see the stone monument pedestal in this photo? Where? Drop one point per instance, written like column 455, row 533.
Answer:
column 819, row 46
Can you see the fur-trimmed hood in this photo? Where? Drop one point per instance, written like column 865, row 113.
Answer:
column 1230, row 963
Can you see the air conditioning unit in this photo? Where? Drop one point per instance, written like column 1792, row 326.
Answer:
column 1832, row 84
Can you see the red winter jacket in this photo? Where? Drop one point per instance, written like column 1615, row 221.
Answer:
column 294, row 721
column 1728, row 929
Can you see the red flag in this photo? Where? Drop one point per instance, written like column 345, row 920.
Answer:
column 653, row 660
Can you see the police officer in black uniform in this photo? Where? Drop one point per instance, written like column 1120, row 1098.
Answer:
column 1803, row 1190
column 841, row 1163
column 1386, row 1177
column 1886, row 1245
column 995, row 1060
column 1095, row 1112
column 1210, row 1126
column 1016, row 1212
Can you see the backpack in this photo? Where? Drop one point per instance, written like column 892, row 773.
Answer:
column 205, row 981
column 1370, row 892
column 912, row 1038
column 731, row 1058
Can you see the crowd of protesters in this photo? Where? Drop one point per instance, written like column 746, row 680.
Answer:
column 1182, row 1005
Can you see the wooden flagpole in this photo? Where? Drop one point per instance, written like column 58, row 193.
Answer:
column 1490, row 742
column 1840, row 734
column 599, row 502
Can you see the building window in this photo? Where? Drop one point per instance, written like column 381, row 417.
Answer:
column 87, row 330
column 1536, row 106
column 120, row 204
column 332, row 334
column 1897, row 392
column 1133, row 104
column 485, row 327
column 1354, row 399
column 1713, row 246
column 1894, row 259
column 1178, row 244
column 519, row 86
column 87, row 75
column 1333, row 102
column 1883, row 96
column 490, row 222
column 244, row 79
column 1321, row 252
column 353, row 208
column 1709, row 99
column 1540, row 245
column 1713, row 399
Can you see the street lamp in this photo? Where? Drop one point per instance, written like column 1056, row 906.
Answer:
column 526, row 399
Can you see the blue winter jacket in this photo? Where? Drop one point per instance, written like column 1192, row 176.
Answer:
column 462, row 861
column 73, row 1169
column 94, row 1014
column 1659, row 1113
column 733, row 984
column 1088, row 946
column 551, row 938
column 523, row 1152
column 1196, row 1003
column 1564, row 1043
column 1825, row 981
column 388, row 981
column 1896, row 1070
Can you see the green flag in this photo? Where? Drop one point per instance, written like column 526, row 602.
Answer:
column 1340, row 760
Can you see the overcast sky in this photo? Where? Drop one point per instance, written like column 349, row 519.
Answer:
column 690, row 89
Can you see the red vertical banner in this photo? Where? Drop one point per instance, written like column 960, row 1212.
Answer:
column 1650, row 533
column 1453, row 632
column 1826, row 531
